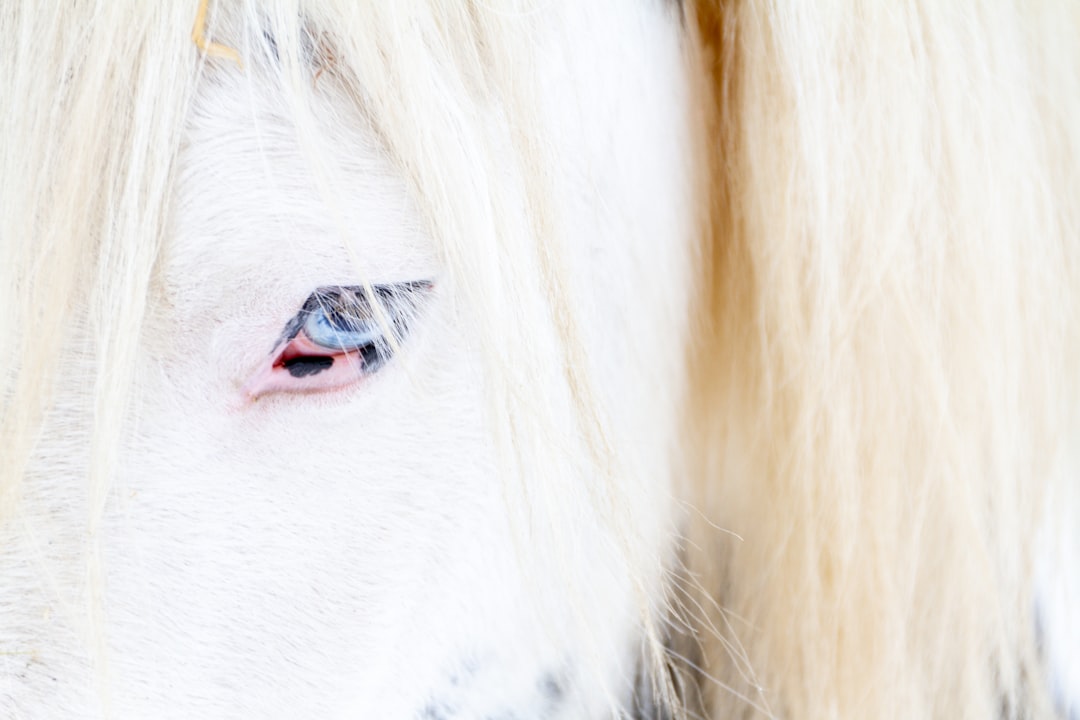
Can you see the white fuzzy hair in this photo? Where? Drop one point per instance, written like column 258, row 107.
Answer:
column 449, row 89
column 889, row 388
column 883, row 391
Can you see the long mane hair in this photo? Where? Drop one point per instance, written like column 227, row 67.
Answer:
column 882, row 379
column 888, row 390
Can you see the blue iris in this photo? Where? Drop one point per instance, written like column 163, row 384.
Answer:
column 342, row 318
column 341, row 328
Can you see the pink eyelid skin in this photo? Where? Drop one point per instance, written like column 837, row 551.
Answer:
column 274, row 375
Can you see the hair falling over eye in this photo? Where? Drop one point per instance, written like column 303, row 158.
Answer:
column 891, row 368
column 876, row 428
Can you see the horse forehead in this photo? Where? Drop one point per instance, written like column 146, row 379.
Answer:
column 262, row 203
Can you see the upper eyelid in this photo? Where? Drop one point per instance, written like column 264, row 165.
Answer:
column 400, row 301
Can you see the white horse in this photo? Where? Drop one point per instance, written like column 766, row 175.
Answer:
column 538, row 360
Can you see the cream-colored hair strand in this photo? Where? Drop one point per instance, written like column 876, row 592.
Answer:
column 891, row 353
column 446, row 87
column 90, row 139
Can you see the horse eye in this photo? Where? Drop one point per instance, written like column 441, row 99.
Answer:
column 340, row 335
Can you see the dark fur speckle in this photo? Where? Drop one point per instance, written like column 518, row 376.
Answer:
column 552, row 690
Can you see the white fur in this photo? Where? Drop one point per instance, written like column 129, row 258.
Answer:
column 865, row 367
column 1057, row 572
column 354, row 554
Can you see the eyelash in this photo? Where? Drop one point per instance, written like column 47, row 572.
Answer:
column 342, row 319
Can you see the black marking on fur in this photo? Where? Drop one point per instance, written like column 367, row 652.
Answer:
column 373, row 357
column 551, row 688
column 315, row 49
column 271, row 46
column 645, row 705
column 308, row 365
column 547, row 700
column 681, row 677
column 436, row 711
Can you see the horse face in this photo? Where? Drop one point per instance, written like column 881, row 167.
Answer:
column 281, row 546
column 343, row 545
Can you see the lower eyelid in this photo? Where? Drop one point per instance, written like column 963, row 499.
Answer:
column 301, row 372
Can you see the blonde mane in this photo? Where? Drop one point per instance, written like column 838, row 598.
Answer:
column 888, row 385
column 878, row 421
